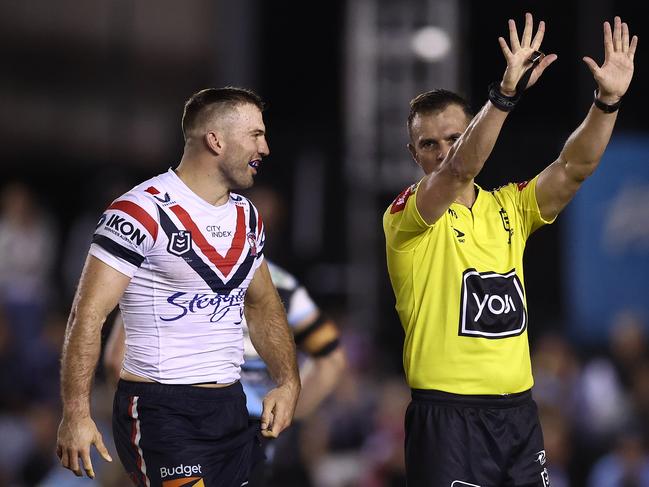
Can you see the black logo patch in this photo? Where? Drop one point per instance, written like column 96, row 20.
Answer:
column 492, row 305
column 180, row 242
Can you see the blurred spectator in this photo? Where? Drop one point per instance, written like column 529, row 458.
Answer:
column 383, row 448
column 558, row 445
column 628, row 345
column 27, row 253
column 107, row 187
column 640, row 396
column 626, row 466
column 556, row 372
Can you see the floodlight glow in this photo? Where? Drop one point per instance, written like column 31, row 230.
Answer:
column 431, row 43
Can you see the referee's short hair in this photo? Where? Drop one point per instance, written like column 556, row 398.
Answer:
column 434, row 101
column 210, row 102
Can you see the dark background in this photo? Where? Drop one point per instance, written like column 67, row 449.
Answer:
column 91, row 95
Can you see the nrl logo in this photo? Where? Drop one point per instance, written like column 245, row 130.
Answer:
column 180, row 242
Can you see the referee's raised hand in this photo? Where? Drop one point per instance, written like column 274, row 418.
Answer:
column 520, row 53
column 614, row 75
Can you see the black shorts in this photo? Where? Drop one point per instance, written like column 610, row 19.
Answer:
column 177, row 435
column 475, row 441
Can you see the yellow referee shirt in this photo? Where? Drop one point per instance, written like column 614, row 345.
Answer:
column 460, row 292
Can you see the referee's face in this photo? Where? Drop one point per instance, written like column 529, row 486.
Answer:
column 432, row 135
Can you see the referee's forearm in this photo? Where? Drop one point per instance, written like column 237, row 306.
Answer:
column 468, row 155
column 586, row 145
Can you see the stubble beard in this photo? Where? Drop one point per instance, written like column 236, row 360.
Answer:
column 237, row 178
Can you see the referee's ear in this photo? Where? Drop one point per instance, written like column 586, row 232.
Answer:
column 413, row 152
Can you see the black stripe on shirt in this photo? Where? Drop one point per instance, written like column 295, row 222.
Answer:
column 113, row 248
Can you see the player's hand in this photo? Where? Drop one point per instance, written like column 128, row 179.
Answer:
column 518, row 54
column 614, row 76
column 73, row 443
column 279, row 407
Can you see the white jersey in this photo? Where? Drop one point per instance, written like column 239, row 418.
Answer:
column 190, row 265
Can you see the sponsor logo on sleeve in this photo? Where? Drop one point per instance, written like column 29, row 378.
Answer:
column 492, row 305
column 123, row 228
column 180, row 242
column 521, row 186
column 400, row 202
column 101, row 221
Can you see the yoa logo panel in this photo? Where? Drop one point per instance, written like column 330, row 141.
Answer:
column 492, row 305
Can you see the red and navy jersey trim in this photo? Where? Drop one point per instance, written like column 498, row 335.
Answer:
column 224, row 264
column 118, row 250
column 199, row 266
column 139, row 214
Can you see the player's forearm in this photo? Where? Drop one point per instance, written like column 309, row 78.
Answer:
column 586, row 145
column 273, row 341
column 81, row 351
column 468, row 155
column 319, row 381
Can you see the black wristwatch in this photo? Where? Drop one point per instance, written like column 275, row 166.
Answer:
column 604, row 107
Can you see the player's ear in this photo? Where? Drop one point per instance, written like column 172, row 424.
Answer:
column 214, row 142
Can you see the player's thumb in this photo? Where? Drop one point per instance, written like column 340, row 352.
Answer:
column 592, row 65
column 101, row 448
column 267, row 415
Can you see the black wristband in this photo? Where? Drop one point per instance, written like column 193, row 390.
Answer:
column 500, row 101
column 507, row 103
column 604, row 107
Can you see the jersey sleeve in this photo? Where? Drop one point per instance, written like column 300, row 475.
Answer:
column 523, row 195
column 256, row 235
column 300, row 307
column 126, row 233
column 402, row 223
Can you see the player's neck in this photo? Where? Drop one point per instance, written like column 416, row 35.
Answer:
column 467, row 195
column 203, row 179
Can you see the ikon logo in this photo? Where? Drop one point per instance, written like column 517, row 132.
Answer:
column 123, row 227
column 492, row 305
column 180, row 242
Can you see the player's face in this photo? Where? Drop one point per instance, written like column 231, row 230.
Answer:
column 245, row 147
column 433, row 134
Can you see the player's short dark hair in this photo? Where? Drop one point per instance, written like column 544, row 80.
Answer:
column 200, row 106
column 434, row 101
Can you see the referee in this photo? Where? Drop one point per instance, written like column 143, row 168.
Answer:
column 455, row 259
